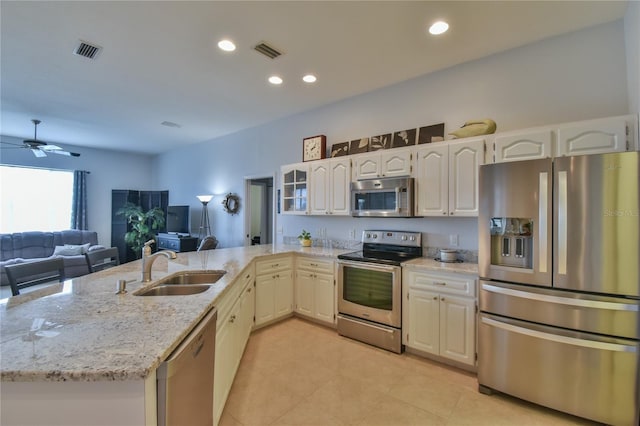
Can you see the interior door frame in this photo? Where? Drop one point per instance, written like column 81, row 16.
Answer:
column 247, row 209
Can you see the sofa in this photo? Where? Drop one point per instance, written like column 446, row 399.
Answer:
column 71, row 245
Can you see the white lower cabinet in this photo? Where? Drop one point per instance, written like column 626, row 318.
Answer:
column 235, row 321
column 274, row 289
column 439, row 315
column 315, row 289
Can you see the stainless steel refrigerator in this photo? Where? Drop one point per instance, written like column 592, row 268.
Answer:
column 560, row 284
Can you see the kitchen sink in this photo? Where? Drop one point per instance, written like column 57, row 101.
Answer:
column 192, row 277
column 174, row 290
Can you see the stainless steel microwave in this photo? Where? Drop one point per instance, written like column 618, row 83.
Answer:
column 386, row 197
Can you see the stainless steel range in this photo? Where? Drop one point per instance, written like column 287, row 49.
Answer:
column 370, row 287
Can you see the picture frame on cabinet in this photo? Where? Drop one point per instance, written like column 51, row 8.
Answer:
column 339, row 149
column 358, row 146
column 404, row 138
column 433, row 133
column 380, row 142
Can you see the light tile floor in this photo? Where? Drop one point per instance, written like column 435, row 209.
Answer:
column 299, row 373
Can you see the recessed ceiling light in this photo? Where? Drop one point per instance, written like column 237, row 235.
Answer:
column 438, row 28
column 309, row 78
column 226, row 45
column 274, row 79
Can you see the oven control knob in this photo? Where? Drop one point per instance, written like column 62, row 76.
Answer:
column 368, row 236
column 375, row 236
column 404, row 238
column 412, row 238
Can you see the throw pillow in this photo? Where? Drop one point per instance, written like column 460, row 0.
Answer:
column 67, row 250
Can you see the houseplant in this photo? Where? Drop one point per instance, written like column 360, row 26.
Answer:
column 305, row 238
column 142, row 225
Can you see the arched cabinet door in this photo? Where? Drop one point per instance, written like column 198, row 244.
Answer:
column 465, row 158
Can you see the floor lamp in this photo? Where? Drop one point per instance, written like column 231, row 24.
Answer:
column 205, row 228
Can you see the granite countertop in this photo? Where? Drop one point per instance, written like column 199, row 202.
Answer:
column 80, row 330
column 89, row 333
column 436, row 266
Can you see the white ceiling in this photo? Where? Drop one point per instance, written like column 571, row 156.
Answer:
column 160, row 61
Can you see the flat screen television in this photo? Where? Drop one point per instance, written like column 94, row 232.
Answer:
column 178, row 220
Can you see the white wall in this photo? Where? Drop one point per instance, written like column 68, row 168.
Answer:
column 109, row 170
column 632, row 38
column 577, row 76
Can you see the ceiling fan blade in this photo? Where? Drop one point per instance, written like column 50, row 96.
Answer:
column 17, row 145
column 52, row 148
column 38, row 152
column 67, row 153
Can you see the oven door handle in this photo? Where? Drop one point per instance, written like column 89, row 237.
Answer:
column 369, row 265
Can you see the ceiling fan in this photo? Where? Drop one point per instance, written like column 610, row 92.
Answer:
column 39, row 148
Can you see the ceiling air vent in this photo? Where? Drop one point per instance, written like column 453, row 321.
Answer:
column 267, row 50
column 87, row 50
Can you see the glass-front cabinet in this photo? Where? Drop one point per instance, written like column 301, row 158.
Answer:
column 295, row 187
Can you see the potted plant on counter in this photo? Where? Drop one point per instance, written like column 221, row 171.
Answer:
column 305, row 238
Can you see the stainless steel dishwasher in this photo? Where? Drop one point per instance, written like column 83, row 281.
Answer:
column 185, row 379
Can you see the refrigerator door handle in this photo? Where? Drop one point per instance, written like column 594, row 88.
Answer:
column 562, row 222
column 615, row 347
column 582, row 303
column 544, row 223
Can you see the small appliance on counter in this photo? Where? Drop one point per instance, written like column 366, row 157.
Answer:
column 448, row 256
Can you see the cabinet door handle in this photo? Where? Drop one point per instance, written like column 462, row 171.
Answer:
column 439, row 283
column 435, row 297
column 232, row 318
column 442, row 299
column 248, row 275
column 249, row 290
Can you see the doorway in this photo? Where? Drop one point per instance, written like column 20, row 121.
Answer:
column 259, row 213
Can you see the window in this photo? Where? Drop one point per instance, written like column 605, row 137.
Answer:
column 35, row 199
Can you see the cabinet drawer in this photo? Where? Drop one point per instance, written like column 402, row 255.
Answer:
column 314, row 264
column 462, row 285
column 270, row 265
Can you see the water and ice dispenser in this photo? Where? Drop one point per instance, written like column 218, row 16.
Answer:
column 512, row 242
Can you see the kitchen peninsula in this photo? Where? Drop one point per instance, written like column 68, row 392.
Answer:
column 76, row 352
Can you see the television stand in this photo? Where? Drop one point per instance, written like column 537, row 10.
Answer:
column 177, row 243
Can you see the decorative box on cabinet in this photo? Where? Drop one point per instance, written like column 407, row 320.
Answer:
column 274, row 288
column 177, row 243
column 315, row 289
column 439, row 315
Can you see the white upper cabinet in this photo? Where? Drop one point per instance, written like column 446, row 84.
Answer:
column 383, row 163
column 447, row 177
column 523, row 145
column 599, row 136
column 295, row 182
column 330, row 187
column 432, row 179
column 340, row 187
column 465, row 158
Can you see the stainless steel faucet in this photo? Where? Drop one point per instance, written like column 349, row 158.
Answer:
column 148, row 259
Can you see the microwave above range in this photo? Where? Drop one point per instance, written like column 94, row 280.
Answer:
column 386, row 197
